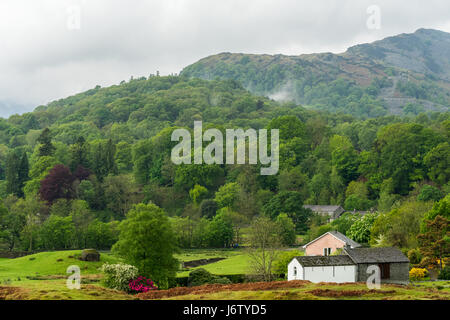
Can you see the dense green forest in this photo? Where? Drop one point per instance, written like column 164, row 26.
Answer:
column 70, row 171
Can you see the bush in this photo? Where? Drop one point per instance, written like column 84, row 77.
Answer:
column 201, row 276
column 445, row 273
column 430, row 193
column 414, row 256
column 141, row 284
column 118, row 276
column 417, row 273
column 198, row 277
column 221, row 280
column 280, row 265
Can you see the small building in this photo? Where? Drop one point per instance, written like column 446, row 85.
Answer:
column 332, row 212
column 393, row 264
column 323, row 269
column 328, row 243
column 352, row 266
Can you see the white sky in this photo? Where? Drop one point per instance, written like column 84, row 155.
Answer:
column 44, row 56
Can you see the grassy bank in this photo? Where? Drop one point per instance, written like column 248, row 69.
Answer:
column 310, row 291
column 49, row 263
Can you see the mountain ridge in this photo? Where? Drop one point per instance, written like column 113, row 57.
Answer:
column 415, row 69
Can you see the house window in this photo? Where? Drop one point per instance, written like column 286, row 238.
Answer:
column 295, row 271
column 326, row 251
column 385, row 270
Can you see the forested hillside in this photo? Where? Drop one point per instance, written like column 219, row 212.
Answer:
column 71, row 170
column 404, row 74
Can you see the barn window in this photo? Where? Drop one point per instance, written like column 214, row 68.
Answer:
column 385, row 270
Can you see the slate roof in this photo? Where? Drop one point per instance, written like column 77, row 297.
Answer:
column 320, row 261
column 376, row 255
column 338, row 235
column 347, row 240
column 320, row 208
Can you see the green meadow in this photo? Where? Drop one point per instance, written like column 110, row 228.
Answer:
column 43, row 276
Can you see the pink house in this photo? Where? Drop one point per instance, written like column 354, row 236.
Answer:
column 327, row 244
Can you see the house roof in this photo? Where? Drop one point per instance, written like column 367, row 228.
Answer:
column 339, row 236
column 320, row 208
column 346, row 239
column 376, row 255
column 319, row 261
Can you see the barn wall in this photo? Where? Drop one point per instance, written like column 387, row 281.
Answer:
column 291, row 275
column 325, row 274
column 399, row 273
column 327, row 241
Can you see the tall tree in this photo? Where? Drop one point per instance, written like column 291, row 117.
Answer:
column 46, row 148
column 57, row 184
column 12, row 178
column 104, row 159
column 435, row 242
column 147, row 241
column 79, row 154
column 11, row 224
column 264, row 242
column 23, row 173
column 110, row 153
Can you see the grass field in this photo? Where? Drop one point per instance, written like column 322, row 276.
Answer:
column 304, row 290
column 43, row 276
column 49, row 263
column 236, row 261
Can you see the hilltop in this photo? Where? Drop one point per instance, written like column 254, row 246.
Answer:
column 398, row 75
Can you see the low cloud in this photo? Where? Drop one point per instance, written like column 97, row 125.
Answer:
column 45, row 56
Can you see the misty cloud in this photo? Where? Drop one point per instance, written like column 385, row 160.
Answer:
column 42, row 58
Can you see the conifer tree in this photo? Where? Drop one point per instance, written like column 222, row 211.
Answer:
column 79, row 154
column 22, row 173
column 12, row 179
column 46, row 148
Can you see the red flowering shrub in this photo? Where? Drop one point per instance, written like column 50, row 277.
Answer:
column 142, row 284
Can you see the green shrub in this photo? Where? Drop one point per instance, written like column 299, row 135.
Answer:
column 280, row 265
column 445, row 273
column 201, row 276
column 430, row 193
column 221, row 280
column 414, row 256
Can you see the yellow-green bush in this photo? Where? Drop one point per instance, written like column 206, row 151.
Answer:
column 417, row 273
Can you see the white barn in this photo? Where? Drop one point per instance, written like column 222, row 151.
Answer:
column 352, row 266
column 316, row 269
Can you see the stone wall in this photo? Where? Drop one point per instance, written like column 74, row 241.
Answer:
column 399, row 273
column 14, row 254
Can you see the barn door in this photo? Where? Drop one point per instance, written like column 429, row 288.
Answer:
column 385, row 270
